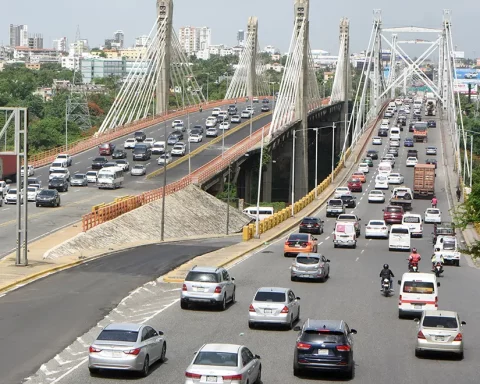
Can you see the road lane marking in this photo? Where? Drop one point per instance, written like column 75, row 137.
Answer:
column 358, row 258
column 327, row 237
column 362, row 251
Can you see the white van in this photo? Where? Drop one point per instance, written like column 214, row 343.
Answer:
column 381, row 182
column 418, row 292
column 394, row 133
column 399, row 238
column 385, row 168
column 414, row 222
column 263, row 212
column 344, row 235
column 111, row 177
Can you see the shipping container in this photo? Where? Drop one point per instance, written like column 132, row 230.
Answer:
column 424, row 181
column 8, row 166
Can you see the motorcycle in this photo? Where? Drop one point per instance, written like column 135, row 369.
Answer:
column 438, row 269
column 386, row 287
column 412, row 267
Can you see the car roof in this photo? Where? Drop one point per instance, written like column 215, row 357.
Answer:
column 228, row 348
column 310, row 218
column 441, row 313
column 204, row 269
column 309, row 254
column 124, row 326
column 273, row 289
column 332, row 325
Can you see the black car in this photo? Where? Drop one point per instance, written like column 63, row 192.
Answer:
column 197, row 129
column 58, row 183
column 140, row 135
column 232, row 110
column 431, row 124
column 373, row 154
column 324, row 345
column 348, row 201
column 311, row 225
column 382, row 132
column 431, row 161
column 119, row 154
column 411, row 126
column 265, row 108
column 99, row 162
column 48, row 197
column 265, row 101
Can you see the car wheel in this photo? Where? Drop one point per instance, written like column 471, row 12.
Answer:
column 233, row 297
column 460, row 356
column 93, row 371
column 183, row 304
column 146, row 367
column 349, row 374
column 58, row 204
column 297, row 371
column 285, row 254
column 164, row 352
column 335, row 246
column 417, row 352
column 258, row 380
column 37, row 204
column 223, row 304
column 290, row 324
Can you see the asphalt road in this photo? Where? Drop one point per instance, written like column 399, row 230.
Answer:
column 79, row 200
column 384, row 345
column 42, row 318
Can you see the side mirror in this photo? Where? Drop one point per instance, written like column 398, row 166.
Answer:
column 297, row 328
column 399, row 282
column 328, row 260
column 257, row 356
column 438, row 284
column 297, row 298
column 463, row 323
column 160, row 333
column 383, row 210
column 232, row 278
column 416, row 320
column 354, row 331
column 359, row 219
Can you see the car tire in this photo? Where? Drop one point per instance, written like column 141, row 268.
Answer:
column 292, row 278
column 418, row 353
column 183, row 304
column 460, row 356
column 37, row 205
column 350, row 373
column 223, row 304
column 290, row 324
column 93, row 371
column 335, row 245
column 233, row 297
column 258, row 380
column 146, row 367
column 297, row 371
column 285, row 254
column 164, row 353
column 251, row 325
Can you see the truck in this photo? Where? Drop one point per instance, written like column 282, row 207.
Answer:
column 430, row 107
column 424, row 181
column 420, row 132
column 351, row 218
column 402, row 196
column 8, row 166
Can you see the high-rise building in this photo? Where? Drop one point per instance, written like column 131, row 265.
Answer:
column 241, row 37
column 60, row 44
column 194, row 39
column 119, row 38
column 35, row 41
column 18, row 35
column 204, row 38
column 142, row 41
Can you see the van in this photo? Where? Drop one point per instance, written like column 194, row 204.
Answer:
column 385, row 168
column 345, row 235
column 399, row 238
column 394, row 133
column 414, row 222
column 418, row 292
column 263, row 212
column 111, row 177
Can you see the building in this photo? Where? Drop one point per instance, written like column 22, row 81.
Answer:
column 60, row 44
column 35, row 41
column 70, row 62
column 203, row 54
column 478, row 62
column 204, row 37
column 79, row 47
column 94, row 68
column 36, row 55
column 33, row 66
column 277, row 67
column 45, row 93
column 135, row 53
column 119, row 38
column 194, row 39
column 271, row 50
column 18, row 35
column 241, row 37
column 142, row 41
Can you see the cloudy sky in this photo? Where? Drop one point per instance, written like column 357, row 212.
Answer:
column 98, row 19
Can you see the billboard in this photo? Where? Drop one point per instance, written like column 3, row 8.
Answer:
column 459, row 87
column 458, row 54
column 468, row 75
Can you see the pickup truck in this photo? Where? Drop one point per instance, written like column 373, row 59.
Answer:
column 350, row 217
column 448, row 248
column 445, row 228
column 66, row 157
column 402, row 196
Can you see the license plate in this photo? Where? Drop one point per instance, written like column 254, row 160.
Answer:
column 309, row 226
column 117, row 353
column 200, row 289
column 267, row 311
column 322, row 352
column 439, row 338
column 306, row 275
column 297, row 245
column 211, row 379
column 417, row 306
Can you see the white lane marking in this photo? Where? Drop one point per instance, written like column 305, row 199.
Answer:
column 358, row 258
column 327, row 237
column 318, row 244
column 362, row 251
column 78, row 162
column 90, row 158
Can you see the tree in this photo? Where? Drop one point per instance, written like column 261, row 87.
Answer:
column 49, row 132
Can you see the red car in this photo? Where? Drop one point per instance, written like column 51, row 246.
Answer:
column 106, row 149
column 393, row 214
column 355, row 185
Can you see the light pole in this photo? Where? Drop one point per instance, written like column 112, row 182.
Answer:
column 208, row 76
column 66, row 125
column 251, row 116
column 228, row 198
column 257, row 219
column 316, row 161
column 162, row 223
column 293, row 174
column 333, row 150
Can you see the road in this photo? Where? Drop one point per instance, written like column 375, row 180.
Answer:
column 384, row 345
column 79, row 200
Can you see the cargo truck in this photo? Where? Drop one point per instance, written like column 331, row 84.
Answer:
column 424, row 181
column 8, row 166
column 420, row 132
column 431, row 107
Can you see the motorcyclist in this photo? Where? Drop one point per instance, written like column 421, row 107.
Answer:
column 437, row 258
column 414, row 258
column 434, row 202
column 386, row 273
column 459, row 194
column 200, row 109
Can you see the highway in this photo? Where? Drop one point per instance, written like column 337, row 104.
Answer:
column 384, row 345
column 79, row 200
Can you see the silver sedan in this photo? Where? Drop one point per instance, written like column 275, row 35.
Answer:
column 310, row 266
column 129, row 347
column 138, row 170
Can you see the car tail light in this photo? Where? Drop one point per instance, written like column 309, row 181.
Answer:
column 285, row 309
column 94, row 350
column 334, row 237
column 303, row 346
column 134, row 352
column 369, row 227
column 420, row 335
column 191, row 375
column 233, row 377
column 459, row 337
column 436, row 302
column 384, row 227
column 251, row 308
column 218, row 289
column 343, row 348
column 184, row 288
column 316, row 225
column 400, row 300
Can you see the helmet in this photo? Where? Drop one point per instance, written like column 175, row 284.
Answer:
column 414, row 250
column 385, row 266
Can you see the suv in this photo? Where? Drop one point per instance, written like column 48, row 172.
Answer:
column 393, row 214
column 66, row 157
column 106, row 149
column 349, row 201
column 140, row 136
column 335, row 207
column 208, row 285
column 311, row 225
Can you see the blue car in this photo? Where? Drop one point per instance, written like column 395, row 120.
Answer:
column 408, row 142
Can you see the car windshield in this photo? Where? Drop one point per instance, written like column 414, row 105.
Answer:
column 411, row 219
column 118, row 335
column 274, row 297
column 376, row 223
column 433, row 211
column 205, row 277
column 219, row 359
column 99, row 159
column 449, row 245
column 335, row 202
column 47, row 192
column 91, row 173
column 376, row 193
column 400, row 231
column 31, row 189
column 298, row 237
column 307, row 260
column 421, row 287
column 309, row 220
column 394, row 209
column 440, row 322
column 138, row 167
column 78, row 176
column 323, row 336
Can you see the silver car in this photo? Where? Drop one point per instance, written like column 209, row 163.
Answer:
column 224, row 363
column 310, row 266
column 431, row 150
column 439, row 331
column 124, row 164
column 138, row 170
column 208, row 285
column 128, row 347
column 79, row 179
column 274, row 305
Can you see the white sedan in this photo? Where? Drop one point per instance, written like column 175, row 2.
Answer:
column 433, row 215
column 342, row 191
column 376, row 196
column 381, row 182
column 177, row 122
column 377, row 140
column 224, row 126
column 411, row 161
column 395, row 178
column 30, row 170
column 394, row 143
column 32, row 193
column 363, row 167
column 129, row 143
column 376, row 228
column 166, row 158
column 195, row 138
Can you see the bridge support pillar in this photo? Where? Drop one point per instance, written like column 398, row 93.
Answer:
column 164, row 12
column 267, row 180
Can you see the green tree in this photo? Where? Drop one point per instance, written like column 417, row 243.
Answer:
column 50, row 132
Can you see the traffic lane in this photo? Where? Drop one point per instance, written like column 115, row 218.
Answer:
column 41, row 319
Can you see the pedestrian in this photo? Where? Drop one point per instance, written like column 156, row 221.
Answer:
column 459, row 194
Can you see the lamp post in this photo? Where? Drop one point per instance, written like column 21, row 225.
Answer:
column 257, row 219
column 228, row 199
column 208, row 76
column 162, row 222
column 66, row 125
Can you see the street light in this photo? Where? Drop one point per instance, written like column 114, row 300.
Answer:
column 208, row 76
column 257, row 219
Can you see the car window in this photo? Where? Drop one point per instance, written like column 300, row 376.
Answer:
column 394, row 209
column 307, row 260
column 226, row 276
column 421, row 287
column 309, row 220
column 118, row 335
column 205, row 277
column 298, row 237
column 411, row 219
column 334, row 202
column 222, row 359
column 440, row 322
column 376, row 223
column 144, row 334
column 291, row 296
column 323, row 336
column 245, row 358
column 274, row 297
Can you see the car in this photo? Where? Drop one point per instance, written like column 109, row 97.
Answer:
column 11, row 197
column 216, row 111
column 408, row 142
column 382, row 132
column 388, row 113
column 265, row 108
column 274, row 306
column 411, row 161
column 431, row 124
column 139, row 136
column 393, row 214
column 341, row 191
column 385, row 124
column 224, row 363
column 359, row 175
column 245, row 114
column 79, row 179
column 363, row 168
column 158, row 148
column 349, row 201
column 211, row 132
column 211, row 122
column 376, row 228
column 127, row 347
column 197, row 129
column 430, row 150
column 59, row 183
column 355, row 185
column 178, row 122
column 411, row 126
column 208, row 285
column 310, row 266
column 439, row 331
column 60, row 172
column 432, row 215
column 336, row 207
column 377, row 140
column 393, row 151
column 165, row 158
column 394, row 143
column 174, row 138
column 431, row 161
column 311, row 225
column 47, row 197
column 376, row 196
column 324, row 346
column 372, row 154
column 66, row 157
column 255, row 100
column 92, row 176
column 251, row 110
column 381, row 182
column 138, row 170
column 30, row 170
column 110, row 164
column 224, row 126
column 123, row 164
column 395, row 178
column 179, row 149
column 32, row 193
column 106, row 149
column 368, row 161
column 33, row 181
column 299, row 242
column 265, row 101
column 129, row 143
column 119, row 154
column 235, row 119
column 179, row 127
column 149, row 141
column 195, row 138
column 232, row 109
column 350, row 218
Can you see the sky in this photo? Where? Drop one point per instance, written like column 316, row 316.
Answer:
column 98, row 19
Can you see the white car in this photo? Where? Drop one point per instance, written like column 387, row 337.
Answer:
column 342, row 191
column 388, row 160
column 158, row 148
column 176, row 122
column 32, row 193
column 433, row 215
column 195, row 138
column 123, row 164
column 211, row 122
column 30, row 170
column 394, row 143
column 377, row 140
column 11, row 197
column 92, row 176
column 149, row 141
column 138, row 170
column 376, row 196
column 363, row 167
column 251, row 110
column 178, row 149
column 381, row 182
column 395, row 178
column 59, row 172
column 66, row 157
column 411, row 161
column 211, row 132
column 376, row 228
column 129, row 143
column 246, row 114
column 385, row 125
column 216, row 111
column 224, row 126
column 414, row 222
column 166, row 158
column 235, row 119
